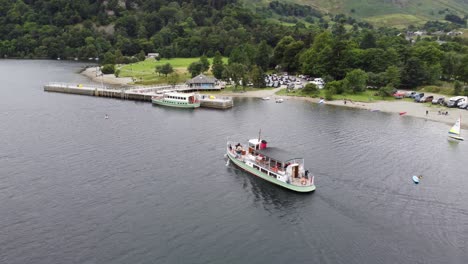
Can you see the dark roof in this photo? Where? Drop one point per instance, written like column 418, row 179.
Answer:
column 277, row 153
column 202, row 79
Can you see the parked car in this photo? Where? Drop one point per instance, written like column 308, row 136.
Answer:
column 455, row 101
column 418, row 96
column 427, row 98
column 439, row 100
column 399, row 94
column 409, row 94
column 463, row 105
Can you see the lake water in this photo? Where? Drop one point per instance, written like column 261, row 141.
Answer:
column 150, row 184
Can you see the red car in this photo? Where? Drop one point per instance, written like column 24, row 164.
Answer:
column 399, row 94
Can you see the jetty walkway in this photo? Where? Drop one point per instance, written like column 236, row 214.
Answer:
column 136, row 93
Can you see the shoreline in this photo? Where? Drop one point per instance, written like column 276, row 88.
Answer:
column 412, row 109
column 94, row 74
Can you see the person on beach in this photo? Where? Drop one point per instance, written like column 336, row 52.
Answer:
column 427, row 112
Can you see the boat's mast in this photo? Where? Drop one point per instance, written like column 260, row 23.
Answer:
column 259, row 133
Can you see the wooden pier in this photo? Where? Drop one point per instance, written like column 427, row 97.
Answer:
column 134, row 93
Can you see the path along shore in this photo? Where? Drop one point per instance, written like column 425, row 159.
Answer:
column 95, row 75
column 411, row 108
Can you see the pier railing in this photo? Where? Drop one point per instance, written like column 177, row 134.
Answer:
column 77, row 85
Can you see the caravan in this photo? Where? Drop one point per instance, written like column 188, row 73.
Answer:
column 456, row 101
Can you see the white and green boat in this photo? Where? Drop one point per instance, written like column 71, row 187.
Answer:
column 271, row 164
column 180, row 100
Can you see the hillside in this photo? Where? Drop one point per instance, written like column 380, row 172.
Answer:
column 391, row 12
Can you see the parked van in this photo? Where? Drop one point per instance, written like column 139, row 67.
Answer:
column 455, row 101
column 319, row 82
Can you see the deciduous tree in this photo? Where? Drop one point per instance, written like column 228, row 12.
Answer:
column 218, row 67
column 355, row 81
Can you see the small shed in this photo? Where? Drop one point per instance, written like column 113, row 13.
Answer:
column 152, row 55
column 202, row 82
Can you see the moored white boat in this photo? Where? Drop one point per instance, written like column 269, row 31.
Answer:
column 279, row 100
column 271, row 164
column 180, row 100
column 266, row 98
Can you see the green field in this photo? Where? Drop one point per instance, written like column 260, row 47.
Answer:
column 396, row 20
column 389, row 13
column 144, row 71
column 367, row 96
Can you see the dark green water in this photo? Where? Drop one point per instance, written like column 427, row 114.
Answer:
column 150, row 184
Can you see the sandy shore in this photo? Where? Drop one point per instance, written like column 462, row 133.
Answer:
column 412, row 109
column 95, row 75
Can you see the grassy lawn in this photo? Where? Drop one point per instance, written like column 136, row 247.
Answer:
column 445, row 89
column 367, row 96
column 396, row 20
column 144, row 71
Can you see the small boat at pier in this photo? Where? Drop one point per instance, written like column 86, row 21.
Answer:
column 271, row 164
column 180, row 100
column 279, row 100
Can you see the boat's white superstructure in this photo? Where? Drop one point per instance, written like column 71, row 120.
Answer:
column 181, row 100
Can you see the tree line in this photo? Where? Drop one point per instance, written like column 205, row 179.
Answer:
column 124, row 31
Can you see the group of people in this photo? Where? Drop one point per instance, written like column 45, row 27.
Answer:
column 442, row 112
column 237, row 148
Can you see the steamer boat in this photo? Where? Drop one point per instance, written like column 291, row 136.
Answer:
column 271, row 164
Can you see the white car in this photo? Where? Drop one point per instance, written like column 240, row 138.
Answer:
column 463, row 105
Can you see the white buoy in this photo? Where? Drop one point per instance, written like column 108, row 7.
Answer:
column 416, row 178
column 106, row 116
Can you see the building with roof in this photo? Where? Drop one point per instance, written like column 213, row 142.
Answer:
column 203, row 82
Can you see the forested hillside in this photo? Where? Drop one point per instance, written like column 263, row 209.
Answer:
column 254, row 39
column 87, row 28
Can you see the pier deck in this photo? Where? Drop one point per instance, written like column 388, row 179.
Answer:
column 134, row 93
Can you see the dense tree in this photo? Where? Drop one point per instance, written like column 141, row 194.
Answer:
column 355, row 81
column 393, row 76
column 368, row 40
column 262, row 58
column 235, row 72
column 218, row 67
column 450, row 63
column 195, row 68
column 463, row 70
column 166, row 69
column 205, row 63
column 413, row 73
column 257, row 77
column 108, row 69
column 316, row 60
